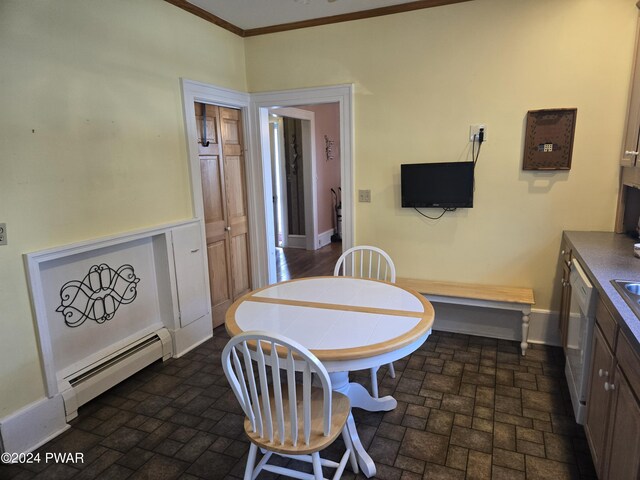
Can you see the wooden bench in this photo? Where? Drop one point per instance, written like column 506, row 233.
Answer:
column 504, row 298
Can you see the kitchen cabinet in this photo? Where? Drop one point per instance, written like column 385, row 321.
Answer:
column 191, row 279
column 599, row 399
column 624, row 458
column 565, row 298
column 613, row 408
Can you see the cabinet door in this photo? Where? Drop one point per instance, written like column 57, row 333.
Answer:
column 598, row 399
column 624, row 448
column 188, row 256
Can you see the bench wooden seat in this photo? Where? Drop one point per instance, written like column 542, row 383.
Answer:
column 490, row 296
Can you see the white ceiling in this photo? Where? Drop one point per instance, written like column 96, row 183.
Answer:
column 248, row 14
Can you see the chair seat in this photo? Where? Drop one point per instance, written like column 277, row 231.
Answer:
column 340, row 409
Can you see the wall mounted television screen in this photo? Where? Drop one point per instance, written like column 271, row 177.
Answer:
column 437, row 185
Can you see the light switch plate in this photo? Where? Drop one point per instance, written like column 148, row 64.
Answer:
column 3, row 233
column 364, row 196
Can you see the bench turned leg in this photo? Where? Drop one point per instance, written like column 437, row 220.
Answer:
column 525, row 332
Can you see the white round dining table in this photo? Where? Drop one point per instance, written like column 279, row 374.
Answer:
column 347, row 323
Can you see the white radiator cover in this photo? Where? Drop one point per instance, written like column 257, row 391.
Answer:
column 105, row 309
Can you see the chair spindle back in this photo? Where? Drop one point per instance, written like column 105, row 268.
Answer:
column 255, row 395
column 366, row 262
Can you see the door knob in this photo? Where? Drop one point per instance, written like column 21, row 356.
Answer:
column 631, row 152
column 609, row 386
column 603, row 373
column 228, row 229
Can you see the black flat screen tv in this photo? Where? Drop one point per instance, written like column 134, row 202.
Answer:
column 437, row 185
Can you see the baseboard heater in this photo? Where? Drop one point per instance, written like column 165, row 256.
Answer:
column 86, row 384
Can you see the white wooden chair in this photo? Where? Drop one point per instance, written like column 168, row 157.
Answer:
column 282, row 417
column 368, row 262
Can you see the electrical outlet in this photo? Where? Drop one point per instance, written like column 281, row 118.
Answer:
column 3, row 233
column 364, row 196
column 474, row 130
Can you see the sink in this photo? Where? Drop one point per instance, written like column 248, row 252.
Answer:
column 630, row 291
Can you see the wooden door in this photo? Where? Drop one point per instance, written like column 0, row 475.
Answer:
column 236, row 196
column 222, row 174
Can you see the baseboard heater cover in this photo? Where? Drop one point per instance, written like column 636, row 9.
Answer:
column 80, row 387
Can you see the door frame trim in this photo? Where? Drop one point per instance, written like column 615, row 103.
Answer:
column 254, row 109
column 193, row 91
column 260, row 104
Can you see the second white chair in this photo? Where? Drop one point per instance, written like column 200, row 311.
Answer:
column 368, row 262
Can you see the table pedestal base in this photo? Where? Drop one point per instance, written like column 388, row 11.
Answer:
column 360, row 398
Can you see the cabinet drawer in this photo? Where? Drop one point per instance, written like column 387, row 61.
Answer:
column 607, row 324
column 629, row 362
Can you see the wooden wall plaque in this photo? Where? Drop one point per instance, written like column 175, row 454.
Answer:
column 549, row 139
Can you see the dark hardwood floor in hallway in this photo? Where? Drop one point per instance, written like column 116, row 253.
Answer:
column 299, row 263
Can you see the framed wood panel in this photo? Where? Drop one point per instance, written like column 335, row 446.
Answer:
column 549, row 139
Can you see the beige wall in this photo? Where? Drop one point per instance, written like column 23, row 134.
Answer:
column 423, row 77
column 91, row 137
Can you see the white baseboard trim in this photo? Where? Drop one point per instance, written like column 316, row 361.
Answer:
column 325, row 238
column 494, row 323
column 33, row 426
column 297, row 241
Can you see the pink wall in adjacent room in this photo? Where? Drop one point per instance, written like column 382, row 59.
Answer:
column 327, row 171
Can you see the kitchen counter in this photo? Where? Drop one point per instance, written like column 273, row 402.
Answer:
column 608, row 256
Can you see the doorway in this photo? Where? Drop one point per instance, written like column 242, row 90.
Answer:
column 255, row 109
column 224, row 197
column 262, row 103
column 292, row 133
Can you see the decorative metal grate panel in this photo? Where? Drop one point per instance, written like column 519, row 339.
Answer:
column 98, row 295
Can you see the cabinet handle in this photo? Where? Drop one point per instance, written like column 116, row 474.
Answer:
column 609, row 386
column 603, row 373
column 195, row 250
column 228, row 229
column 631, row 152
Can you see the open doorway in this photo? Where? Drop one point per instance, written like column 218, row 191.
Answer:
column 262, row 104
column 294, row 177
column 305, row 152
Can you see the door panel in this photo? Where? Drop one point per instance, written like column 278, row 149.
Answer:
column 235, row 179
column 598, row 399
column 212, row 136
column 239, row 257
column 624, row 460
column 212, row 189
column 223, row 177
column 231, row 131
column 221, row 297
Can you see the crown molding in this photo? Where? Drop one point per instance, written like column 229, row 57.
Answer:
column 346, row 17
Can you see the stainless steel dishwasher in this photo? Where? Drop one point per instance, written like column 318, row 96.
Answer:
column 579, row 338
